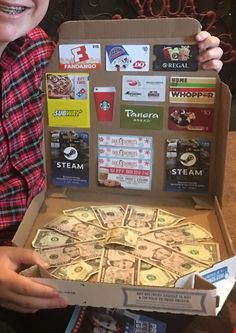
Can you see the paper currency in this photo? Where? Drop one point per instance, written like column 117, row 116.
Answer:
column 208, row 253
column 64, row 255
column 149, row 275
column 165, row 257
column 136, row 246
column 84, row 214
column 80, row 270
column 165, row 219
column 184, row 233
column 143, row 219
column 50, row 238
column 117, row 267
column 74, row 228
column 95, row 263
column 121, row 236
column 109, row 216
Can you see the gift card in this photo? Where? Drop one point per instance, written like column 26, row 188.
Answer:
column 128, row 58
column 175, row 58
column 68, row 100
column 190, row 119
column 187, row 165
column 80, row 56
column 143, row 88
column 70, row 158
column 193, row 90
column 141, row 116
column 125, row 161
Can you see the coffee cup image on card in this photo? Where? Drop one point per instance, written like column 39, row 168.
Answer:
column 104, row 98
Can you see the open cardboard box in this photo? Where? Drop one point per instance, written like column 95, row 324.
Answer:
column 201, row 293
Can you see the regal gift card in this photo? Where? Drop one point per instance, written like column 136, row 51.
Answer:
column 80, row 56
column 69, row 158
column 190, row 119
column 175, row 57
column 187, row 165
column 192, row 90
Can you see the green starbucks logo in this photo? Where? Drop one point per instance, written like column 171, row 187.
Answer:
column 105, row 106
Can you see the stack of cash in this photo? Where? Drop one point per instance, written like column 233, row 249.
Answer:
column 134, row 245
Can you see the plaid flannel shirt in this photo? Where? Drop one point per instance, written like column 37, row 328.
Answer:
column 21, row 165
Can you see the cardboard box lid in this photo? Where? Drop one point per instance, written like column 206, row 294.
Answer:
column 154, row 31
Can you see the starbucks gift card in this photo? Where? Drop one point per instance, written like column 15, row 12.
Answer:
column 187, row 165
column 69, row 158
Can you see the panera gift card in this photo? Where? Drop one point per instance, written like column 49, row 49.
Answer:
column 141, row 116
column 187, row 165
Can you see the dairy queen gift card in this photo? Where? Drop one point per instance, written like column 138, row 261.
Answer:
column 127, row 58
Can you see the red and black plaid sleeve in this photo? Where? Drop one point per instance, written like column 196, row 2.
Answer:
column 21, row 164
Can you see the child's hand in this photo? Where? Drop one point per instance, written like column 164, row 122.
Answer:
column 210, row 52
column 20, row 293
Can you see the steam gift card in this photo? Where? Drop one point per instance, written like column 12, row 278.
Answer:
column 70, row 158
column 187, row 165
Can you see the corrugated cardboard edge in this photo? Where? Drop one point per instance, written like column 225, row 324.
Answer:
column 28, row 220
column 101, row 29
column 221, row 140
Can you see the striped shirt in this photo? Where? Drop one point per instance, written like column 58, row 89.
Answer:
column 22, row 173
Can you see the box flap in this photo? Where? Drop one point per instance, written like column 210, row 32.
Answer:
column 28, row 220
column 221, row 139
column 99, row 29
column 222, row 275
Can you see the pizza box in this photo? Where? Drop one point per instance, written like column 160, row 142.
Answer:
column 201, row 293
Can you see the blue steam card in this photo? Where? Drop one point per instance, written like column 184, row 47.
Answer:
column 70, row 158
